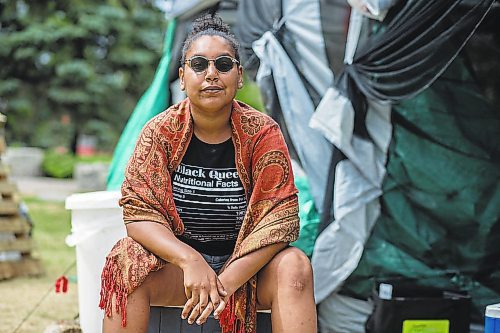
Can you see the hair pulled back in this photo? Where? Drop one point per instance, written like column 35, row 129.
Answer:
column 210, row 25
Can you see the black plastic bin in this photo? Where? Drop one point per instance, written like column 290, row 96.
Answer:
column 413, row 309
column 168, row 320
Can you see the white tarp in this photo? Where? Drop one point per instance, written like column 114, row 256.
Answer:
column 343, row 314
column 302, row 19
column 358, row 181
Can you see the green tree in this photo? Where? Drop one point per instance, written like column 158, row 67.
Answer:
column 71, row 67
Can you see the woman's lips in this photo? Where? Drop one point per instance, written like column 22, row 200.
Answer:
column 212, row 89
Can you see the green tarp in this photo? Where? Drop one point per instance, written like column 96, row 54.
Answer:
column 440, row 218
column 309, row 218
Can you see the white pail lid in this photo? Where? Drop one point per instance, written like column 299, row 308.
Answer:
column 93, row 200
column 493, row 311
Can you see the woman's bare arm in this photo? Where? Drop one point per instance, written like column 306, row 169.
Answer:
column 242, row 269
column 162, row 242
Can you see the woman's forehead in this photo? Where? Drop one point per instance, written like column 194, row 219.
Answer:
column 210, row 46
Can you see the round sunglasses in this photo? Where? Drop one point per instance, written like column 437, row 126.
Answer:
column 223, row 64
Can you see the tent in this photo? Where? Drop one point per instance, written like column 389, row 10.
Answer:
column 394, row 121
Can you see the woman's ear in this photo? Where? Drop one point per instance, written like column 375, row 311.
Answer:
column 181, row 78
column 240, row 77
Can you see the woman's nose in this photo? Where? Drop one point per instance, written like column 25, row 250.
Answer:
column 211, row 70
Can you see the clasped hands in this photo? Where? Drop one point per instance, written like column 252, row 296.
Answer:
column 204, row 291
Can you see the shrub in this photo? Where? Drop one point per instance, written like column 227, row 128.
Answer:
column 58, row 165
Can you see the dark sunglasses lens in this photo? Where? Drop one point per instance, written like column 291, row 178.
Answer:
column 198, row 64
column 224, row 64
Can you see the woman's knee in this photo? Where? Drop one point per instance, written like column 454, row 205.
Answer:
column 288, row 274
column 294, row 270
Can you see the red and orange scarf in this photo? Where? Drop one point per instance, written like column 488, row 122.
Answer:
column 263, row 165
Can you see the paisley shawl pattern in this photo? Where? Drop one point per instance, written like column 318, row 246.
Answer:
column 263, row 164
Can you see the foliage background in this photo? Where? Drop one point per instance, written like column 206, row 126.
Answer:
column 75, row 67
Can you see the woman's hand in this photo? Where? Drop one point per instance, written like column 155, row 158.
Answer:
column 203, row 290
column 229, row 288
column 216, row 309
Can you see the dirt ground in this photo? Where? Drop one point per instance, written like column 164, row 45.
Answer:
column 33, row 301
column 21, row 295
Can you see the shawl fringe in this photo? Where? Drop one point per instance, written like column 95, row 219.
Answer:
column 112, row 284
column 228, row 320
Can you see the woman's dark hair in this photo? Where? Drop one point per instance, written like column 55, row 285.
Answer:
column 210, row 25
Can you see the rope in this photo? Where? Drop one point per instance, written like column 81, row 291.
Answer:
column 42, row 299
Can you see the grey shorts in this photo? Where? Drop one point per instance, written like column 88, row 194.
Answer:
column 216, row 262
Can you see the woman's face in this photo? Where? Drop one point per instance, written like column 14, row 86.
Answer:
column 211, row 90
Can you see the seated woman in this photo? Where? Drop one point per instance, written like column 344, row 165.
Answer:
column 210, row 208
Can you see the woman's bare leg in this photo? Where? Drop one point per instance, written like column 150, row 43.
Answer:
column 285, row 285
column 162, row 288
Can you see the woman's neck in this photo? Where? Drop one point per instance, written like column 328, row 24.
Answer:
column 212, row 127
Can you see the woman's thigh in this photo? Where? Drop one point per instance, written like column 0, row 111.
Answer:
column 166, row 286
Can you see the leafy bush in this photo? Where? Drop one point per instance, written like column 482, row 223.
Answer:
column 77, row 60
column 98, row 158
column 58, row 165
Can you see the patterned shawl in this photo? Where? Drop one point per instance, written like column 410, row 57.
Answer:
column 263, row 165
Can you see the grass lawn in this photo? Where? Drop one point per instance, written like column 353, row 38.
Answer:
column 19, row 296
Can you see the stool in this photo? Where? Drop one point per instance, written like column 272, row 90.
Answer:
column 168, row 320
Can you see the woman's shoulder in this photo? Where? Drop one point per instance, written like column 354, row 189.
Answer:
column 247, row 115
column 174, row 113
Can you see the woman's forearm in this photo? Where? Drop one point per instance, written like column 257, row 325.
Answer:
column 242, row 269
column 162, row 242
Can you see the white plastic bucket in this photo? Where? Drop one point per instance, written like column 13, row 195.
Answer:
column 96, row 225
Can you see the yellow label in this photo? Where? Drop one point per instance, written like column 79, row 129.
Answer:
column 426, row 326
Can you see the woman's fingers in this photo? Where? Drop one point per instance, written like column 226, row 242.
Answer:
column 219, row 308
column 220, row 288
column 203, row 299
column 204, row 315
column 188, row 307
column 214, row 292
column 199, row 311
column 194, row 314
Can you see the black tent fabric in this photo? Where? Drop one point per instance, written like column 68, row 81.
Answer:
column 264, row 14
column 335, row 14
column 420, row 40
